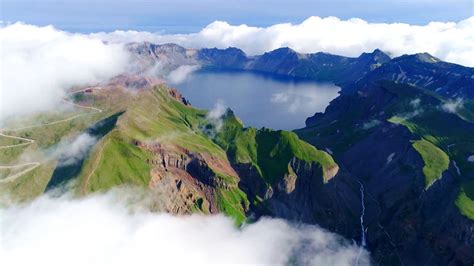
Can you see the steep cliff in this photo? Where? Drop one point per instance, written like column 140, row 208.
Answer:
column 392, row 137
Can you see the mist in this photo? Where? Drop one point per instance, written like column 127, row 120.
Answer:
column 72, row 151
column 101, row 230
column 452, row 106
column 180, row 74
column 39, row 64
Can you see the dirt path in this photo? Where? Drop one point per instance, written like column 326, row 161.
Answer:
column 94, row 111
column 9, row 178
column 96, row 164
column 28, row 141
column 35, row 164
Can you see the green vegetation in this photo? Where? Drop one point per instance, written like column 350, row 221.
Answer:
column 120, row 163
column 465, row 200
column 29, row 185
column 267, row 150
column 233, row 202
column 155, row 115
column 445, row 136
column 436, row 161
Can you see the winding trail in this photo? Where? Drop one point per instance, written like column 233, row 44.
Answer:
column 96, row 164
column 94, row 110
column 28, row 141
column 362, row 227
column 33, row 165
column 9, row 178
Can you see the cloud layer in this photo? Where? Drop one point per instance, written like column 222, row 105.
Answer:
column 99, row 231
column 449, row 41
column 38, row 64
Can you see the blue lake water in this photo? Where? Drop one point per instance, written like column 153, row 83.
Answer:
column 260, row 100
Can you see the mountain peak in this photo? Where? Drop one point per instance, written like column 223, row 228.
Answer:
column 377, row 56
column 426, row 57
column 420, row 57
column 283, row 50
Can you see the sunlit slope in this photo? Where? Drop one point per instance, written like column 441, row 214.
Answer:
column 270, row 151
column 28, row 144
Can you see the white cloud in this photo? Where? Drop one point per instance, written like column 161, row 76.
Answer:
column 214, row 116
column 39, row 63
column 415, row 103
column 181, row 73
column 70, row 152
column 448, row 41
column 305, row 99
column 98, row 230
column 452, row 106
column 470, row 158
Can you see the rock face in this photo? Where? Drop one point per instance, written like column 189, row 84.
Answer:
column 187, row 179
column 135, row 82
column 232, row 58
column 287, row 62
column 426, row 71
column 159, row 59
column 302, row 195
column 406, row 222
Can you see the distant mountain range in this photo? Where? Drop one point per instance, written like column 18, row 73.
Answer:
column 390, row 163
column 422, row 70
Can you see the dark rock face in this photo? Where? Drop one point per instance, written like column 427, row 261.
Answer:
column 304, row 197
column 426, row 71
column 422, row 70
column 407, row 224
column 280, row 61
column 232, row 58
column 287, row 62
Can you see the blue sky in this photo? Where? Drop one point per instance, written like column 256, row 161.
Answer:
column 184, row 16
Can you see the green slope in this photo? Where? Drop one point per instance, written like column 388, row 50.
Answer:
column 436, row 161
column 445, row 137
column 269, row 151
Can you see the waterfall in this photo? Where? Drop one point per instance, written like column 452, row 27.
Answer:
column 362, row 202
column 362, row 227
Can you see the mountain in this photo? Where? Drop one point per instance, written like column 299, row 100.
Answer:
column 422, row 70
column 287, row 62
column 412, row 158
column 388, row 164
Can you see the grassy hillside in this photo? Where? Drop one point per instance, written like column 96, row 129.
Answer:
column 446, row 137
column 465, row 200
column 153, row 116
column 269, row 151
column 436, row 161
